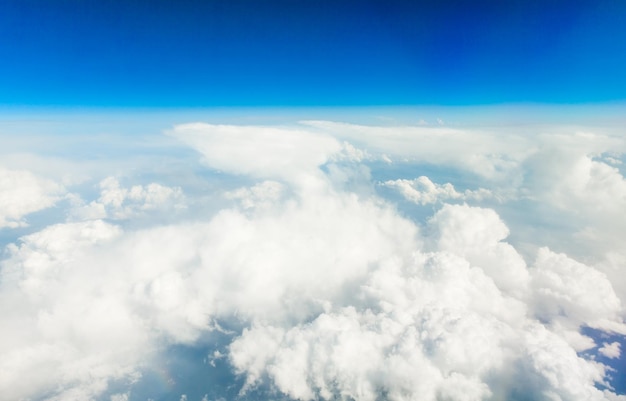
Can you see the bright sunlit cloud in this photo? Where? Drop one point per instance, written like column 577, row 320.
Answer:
column 317, row 260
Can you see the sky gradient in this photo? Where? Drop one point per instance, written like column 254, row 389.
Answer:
column 293, row 53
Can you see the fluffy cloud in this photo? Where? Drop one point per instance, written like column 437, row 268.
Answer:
column 612, row 350
column 477, row 235
column 90, row 303
column 22, row 193
column 433, row 326
column 423, row 191
column 573, row 292
column 330, row 291
column 55, row 333
column 168, row 283
column 118, row 203
column 260, row 195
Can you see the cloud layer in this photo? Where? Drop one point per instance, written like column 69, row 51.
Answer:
column 324, row 287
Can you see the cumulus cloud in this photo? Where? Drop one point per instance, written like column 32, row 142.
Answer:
column 330, row 292
column 433, row 326
column 612, row 350
column 55, row 333
column 118, row 203
column 168, row 283
column 22, row 193
column 587, row 183
column 263, row 194
column 573, row 292
column 423, row 191
column 567, row 175
column 478, row 235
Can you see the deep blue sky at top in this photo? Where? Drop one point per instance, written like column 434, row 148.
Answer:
column 310, row 52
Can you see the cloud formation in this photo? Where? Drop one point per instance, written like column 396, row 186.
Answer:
column 118, row 203
column 422, row 190
column 328, row 290
column 612, row 350
column 444, row 324
column 263, row 152
column 22, row 193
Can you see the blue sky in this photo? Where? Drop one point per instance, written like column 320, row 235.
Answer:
column 290, row 53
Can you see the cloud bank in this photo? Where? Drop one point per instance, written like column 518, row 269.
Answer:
column 324, row 285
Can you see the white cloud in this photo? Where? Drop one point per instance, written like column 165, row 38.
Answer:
column 423, row 191
column 118, row 203
column 543, row 176
column 53, row 306
column 351, row 153
column 612, row 350
column 169, row 282
column 338, row 293
column 564, row 175
column 569, row 291
column 264, row 152
column 438, row 314
column 120, row 397
column 587, row 183
column 561, row 372
column 478, row 235
column 482, row 152
column 261, row 195
column 22, row 193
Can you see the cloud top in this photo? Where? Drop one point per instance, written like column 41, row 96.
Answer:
column 262, row 152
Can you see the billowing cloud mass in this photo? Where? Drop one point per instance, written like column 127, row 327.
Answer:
column 322, row 283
